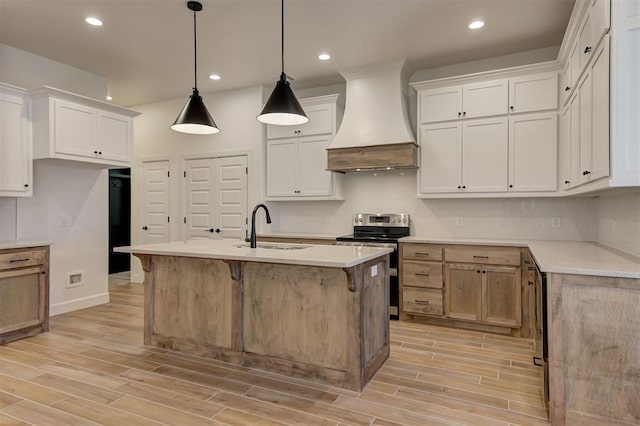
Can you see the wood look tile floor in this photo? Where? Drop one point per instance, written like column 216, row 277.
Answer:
column 92, row 368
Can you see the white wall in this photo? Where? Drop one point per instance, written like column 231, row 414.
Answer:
column 81, row 193
column 235, row 114
column 390, row 192
column 61, row 189
column 7, row 219
column 618, row 221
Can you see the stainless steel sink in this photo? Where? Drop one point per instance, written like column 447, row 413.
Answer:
column 276, row 246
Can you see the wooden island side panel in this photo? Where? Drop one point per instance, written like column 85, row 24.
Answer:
column 323, row 323
column 192, row 301
column 594, row 350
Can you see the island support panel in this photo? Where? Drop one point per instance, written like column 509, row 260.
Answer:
column 329, row 324
column 594, row 350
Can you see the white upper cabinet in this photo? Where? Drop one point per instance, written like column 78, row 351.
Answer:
column 599, row 166
column 485, row 155
column 537, row 92
column 485, row 99
column 15, row 143
column 440, row 104
column 533, row 144
column 73, row 127
column 440, row 158
column 566, row 83
column 499, row 144
column 322, row 119
column 297, row 155
column 586, row 39
column 564, row 149
column 601, row 17
column 575, row 56
column 472, row 100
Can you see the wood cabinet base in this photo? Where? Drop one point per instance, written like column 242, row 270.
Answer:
column 328, row 324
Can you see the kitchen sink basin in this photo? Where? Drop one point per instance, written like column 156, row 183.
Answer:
column 276, row 246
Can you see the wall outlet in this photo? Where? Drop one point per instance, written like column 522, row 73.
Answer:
column 374, row 270
column 459, row 222
column 68, row 221
column 74, row 279
column 556, row 222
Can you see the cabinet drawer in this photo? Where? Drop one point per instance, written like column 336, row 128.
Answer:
column 22, row 258
column 421, row 251
column 422, row 274
column 422, row 301
column 488, row 255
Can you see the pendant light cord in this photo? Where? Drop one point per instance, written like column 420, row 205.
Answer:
column 282, row 33
column 195, row 55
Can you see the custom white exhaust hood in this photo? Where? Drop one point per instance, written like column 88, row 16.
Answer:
column 375, row 133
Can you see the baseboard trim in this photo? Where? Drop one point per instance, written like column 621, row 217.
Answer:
column 82, row 303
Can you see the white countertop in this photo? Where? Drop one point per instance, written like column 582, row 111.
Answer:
column 312, row 255
column 565, row 257
column 22, row 244
column 299, row 236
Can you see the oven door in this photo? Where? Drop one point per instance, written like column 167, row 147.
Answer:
column 394, row 290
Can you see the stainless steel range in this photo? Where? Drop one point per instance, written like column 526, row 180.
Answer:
column 381, row 230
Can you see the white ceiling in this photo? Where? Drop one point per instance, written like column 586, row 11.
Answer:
column 145, row 48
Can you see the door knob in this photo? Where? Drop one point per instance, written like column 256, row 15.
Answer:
column 145, row 227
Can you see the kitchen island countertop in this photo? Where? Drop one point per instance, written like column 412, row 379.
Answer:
column 565, row 257
column 311, row 255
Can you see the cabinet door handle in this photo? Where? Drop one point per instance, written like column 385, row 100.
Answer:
column 530, row 282
column 144, row 228
column 587, row 49
column 422, row 275
column 478, row 271
column 421, row 302
column 459, row 114
column 588, row 172
column 26, row 185
column 567, row 182
column 19, row 260
column 481, row 257
column 566, row 89
column 511, row 108
column 537, row 359
column 464, row 113
column 421, row 254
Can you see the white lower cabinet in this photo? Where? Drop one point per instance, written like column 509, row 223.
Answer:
column 533, row 144
column 296, row 168
column 72, row 127
column 15, row 144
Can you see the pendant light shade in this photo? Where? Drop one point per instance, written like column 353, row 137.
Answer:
column 194, row 117
column 282, row 108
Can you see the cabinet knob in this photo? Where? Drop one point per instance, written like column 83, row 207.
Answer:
column 511, row 108
column 99, row 152
column 510, row 186
column 26, row 185
column 566, row 89
column 459, row 114
column 587, row 49
column 567, row 182
column 459, row 187
column 95, row 152
column 478, row 271
column 588, row 172
column 484, row 272
column 464, row 187
column 464, row 113
column 145, row 227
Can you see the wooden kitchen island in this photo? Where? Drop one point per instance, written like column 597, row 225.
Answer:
column 318, row 312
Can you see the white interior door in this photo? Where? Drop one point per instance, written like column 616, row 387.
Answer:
column 231, row 185
column 200, row 203
column 155, row 206
column 216, row 198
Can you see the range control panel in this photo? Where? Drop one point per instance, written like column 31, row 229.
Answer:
column 381, row 219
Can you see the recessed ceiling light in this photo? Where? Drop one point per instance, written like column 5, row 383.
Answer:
column 214, row 77
column 93, row 21
column 324, row 56
column 109, row 98
column 476, row 24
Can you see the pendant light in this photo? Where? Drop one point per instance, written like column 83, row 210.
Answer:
column 194, row 117
column 283, row 108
